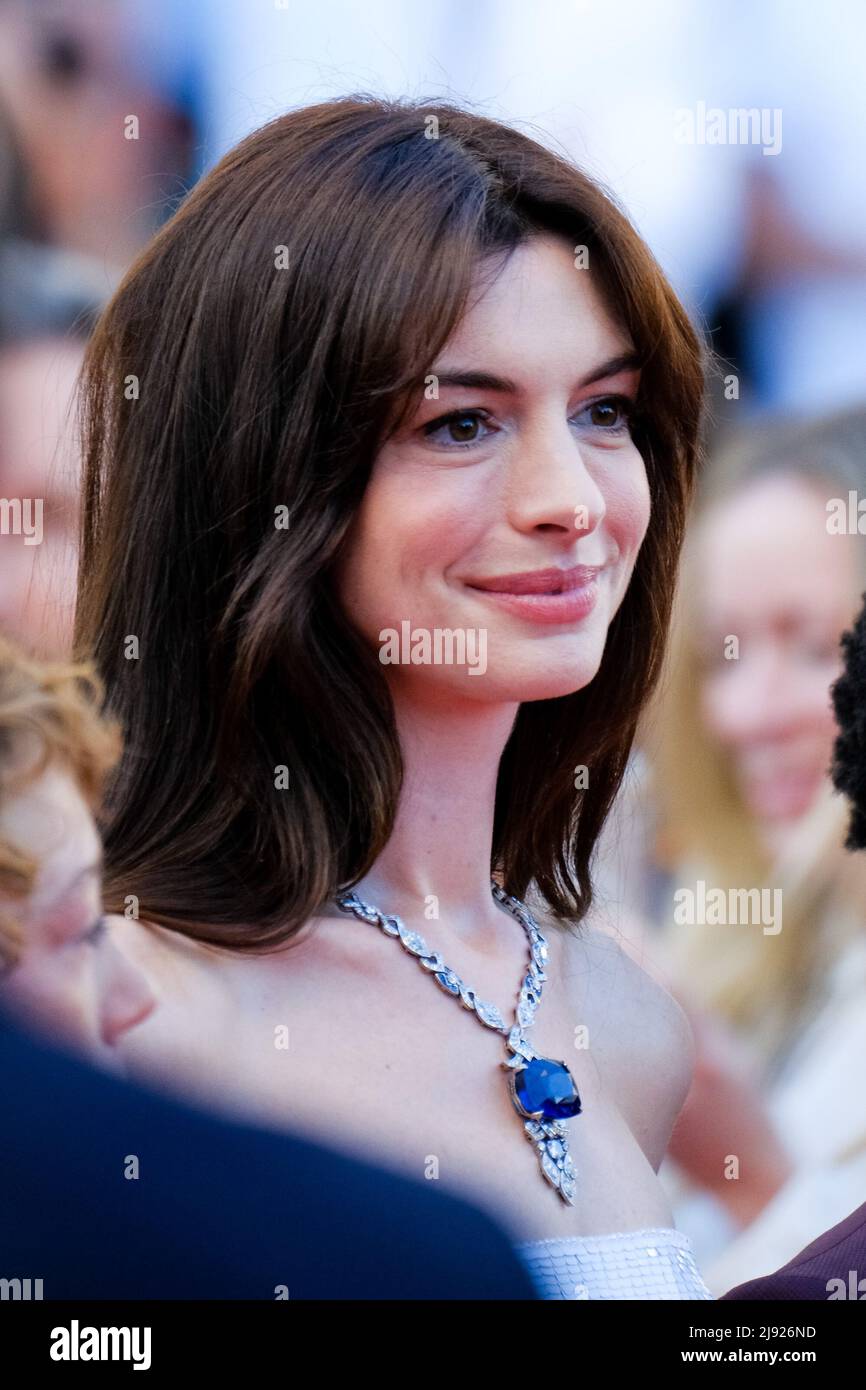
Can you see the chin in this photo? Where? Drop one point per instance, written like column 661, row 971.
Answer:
column 547, row 686
column 553, row 668
column 520, row 682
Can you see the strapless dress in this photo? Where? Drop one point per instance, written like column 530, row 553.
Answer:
column 656, row 1262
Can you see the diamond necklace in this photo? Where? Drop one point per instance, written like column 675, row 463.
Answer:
column 542, row 1091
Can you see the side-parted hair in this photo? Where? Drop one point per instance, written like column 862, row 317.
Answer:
column 49, row 716
column 255, row 358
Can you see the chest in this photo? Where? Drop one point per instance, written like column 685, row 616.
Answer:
column 385, row 1064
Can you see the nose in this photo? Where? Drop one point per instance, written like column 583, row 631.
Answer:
column 125, row 996
column 549, row 484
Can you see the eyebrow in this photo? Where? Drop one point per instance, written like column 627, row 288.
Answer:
column 486, row 381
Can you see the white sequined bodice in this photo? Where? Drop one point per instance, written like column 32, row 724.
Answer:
column 656, row 1262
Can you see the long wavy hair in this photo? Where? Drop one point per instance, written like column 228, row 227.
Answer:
column 765, row 985
column 254, row 358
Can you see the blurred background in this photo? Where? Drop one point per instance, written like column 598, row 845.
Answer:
column 732, row 135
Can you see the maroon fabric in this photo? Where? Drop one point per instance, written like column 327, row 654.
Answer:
column 832, row 1256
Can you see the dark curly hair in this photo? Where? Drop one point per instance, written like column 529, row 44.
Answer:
column 848, row 768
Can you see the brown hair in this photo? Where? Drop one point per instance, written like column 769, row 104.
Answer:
column 255, row 356
column 48, row 714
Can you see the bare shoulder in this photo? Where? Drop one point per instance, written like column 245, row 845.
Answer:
column 639, row 1035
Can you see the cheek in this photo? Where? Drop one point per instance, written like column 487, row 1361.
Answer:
column 626, row 520
column 818, row 706
column 718, row 704
column 628, row 503
column 403, row 532
column 53, row 990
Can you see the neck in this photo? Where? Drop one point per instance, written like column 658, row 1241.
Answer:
column 436, row 864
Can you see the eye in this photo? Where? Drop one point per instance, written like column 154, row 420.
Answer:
column 461, row 425
column 612, row 414
column 97, row 931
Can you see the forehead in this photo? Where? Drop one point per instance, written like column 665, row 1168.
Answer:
column 529, row 312
column 769, row 545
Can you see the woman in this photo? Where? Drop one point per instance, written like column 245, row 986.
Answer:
column 61, row 972
column 390, row 438
column 742, row 751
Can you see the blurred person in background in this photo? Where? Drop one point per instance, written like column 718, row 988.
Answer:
column 62, row 974
column 740, row 747
column 39, row 490
column 47, row 304
column 824, row 1269
column 105, row 141
column 81, row 189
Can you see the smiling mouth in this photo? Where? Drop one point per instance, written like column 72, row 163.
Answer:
column 540, row 583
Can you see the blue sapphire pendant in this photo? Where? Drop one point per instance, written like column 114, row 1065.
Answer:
column 544, row 1094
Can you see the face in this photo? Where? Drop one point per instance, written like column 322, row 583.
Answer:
column 770, row 574
column 69, row 979
column 513, row 506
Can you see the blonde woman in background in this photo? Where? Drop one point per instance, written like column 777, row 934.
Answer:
column 740, row 749
column 60, row 972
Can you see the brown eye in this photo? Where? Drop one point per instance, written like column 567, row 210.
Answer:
column 463, row 428
column 609, row 414
column 459, row 428
column 612, row 414
column 602, row 413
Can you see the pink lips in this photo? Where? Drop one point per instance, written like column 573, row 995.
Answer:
column 550, row 581
column 545, row 596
